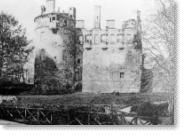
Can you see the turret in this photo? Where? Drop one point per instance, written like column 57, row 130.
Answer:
column 97, row 17
column 50, row 6
column 55, row 32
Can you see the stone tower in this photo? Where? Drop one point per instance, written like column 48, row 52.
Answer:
column 56, row 58
column 71, row 57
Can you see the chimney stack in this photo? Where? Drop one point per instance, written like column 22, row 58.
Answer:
column 80, row 24
column 110, row 24
column 72, row 12
column 50, row 6
column 97, row 17
column 139, row 25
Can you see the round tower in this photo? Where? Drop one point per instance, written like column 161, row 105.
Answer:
column 55, row 57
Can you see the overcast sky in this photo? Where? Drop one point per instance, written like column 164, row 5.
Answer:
column 120, row 10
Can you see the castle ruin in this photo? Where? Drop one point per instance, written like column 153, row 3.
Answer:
column 100, row 60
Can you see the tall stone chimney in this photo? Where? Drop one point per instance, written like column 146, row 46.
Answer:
column 97, row 17
column 50, row 6
column 72, row 12
column 139, row 25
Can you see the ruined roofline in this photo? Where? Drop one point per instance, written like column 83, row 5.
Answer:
column 49, row 8
column 64, row 15
column 123, row 27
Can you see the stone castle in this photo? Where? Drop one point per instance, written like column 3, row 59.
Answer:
column 70, row 57
column 112, row 58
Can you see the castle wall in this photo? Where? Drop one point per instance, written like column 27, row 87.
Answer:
column 111, row 70
column 59, row 46
column 71, row 57
column 110, row 61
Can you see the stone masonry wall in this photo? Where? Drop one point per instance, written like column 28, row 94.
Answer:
column 111, row 61
column 59, row 47
column 112, row 70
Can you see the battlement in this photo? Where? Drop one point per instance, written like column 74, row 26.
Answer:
column 55, row 19
column 130, row 24
column 102, row 59
column 110, row 36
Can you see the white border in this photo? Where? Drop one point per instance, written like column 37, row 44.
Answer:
column 175, row 130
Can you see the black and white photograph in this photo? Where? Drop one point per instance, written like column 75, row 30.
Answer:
column 88, row 62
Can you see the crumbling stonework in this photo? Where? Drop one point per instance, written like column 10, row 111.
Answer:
column 112, row 62
column 71, row 58
column 59, row 58
column 46, row 79
column 78, row 61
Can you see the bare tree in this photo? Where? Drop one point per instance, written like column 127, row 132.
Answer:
column 160, row 39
